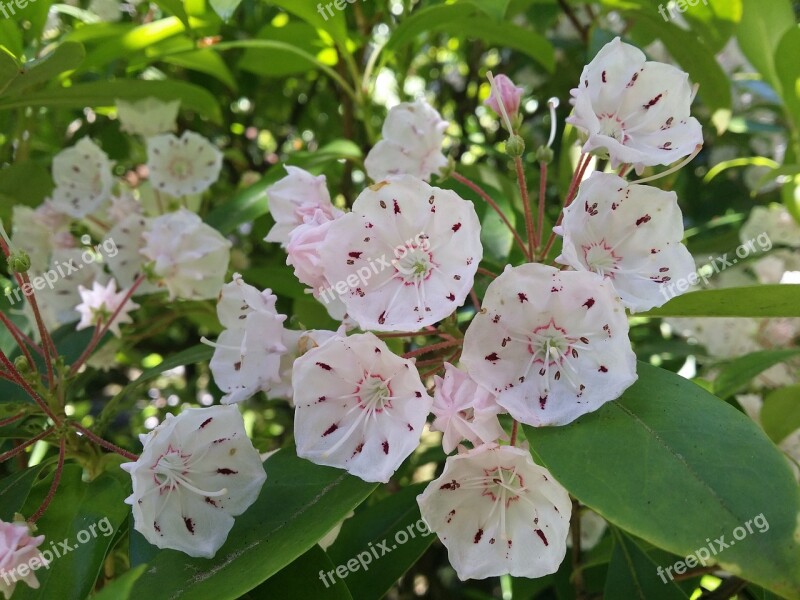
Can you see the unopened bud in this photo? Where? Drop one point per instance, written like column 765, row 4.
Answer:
column 515, row 146
column 21, row 364
column 544, row 155
column 18, row 261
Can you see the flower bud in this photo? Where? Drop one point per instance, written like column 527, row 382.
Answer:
column 544, row 155
column 18, row 261
column 504, row 90
column 515, row 146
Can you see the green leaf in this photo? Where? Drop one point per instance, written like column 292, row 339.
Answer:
column 757, row 161
column 65, row 57
column 9, row 68
column 105, row 93
column 673, row 465
column 787, row 69
column 780, row 414
column 308, row 569
column 225, row 8
column 756, row 301
column 738, row 372
column 246, row 206
column 496, row 9
column 14, row 491
column 121, row 587
column 205, row 60
column 309, row 11
column 176, row 8
column 759, row 32
column 25, row 183
column 393, row 524
column 425, row 20
column 298, row 505
column 632, row 574
column 86, row 515
column 275, row 62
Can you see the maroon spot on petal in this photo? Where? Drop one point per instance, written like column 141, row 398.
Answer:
column 453, row 485
column 206, row 422
column 383, row 204
column 450, row 515
column 496, row 319
column 355, row 254
column 642, row 220
column 220, row 440
column 321, row 399
column 522, row 297
column 156, row 527
column 457, row 226
column 652, row 102
column 584, row 340
column 589, row 303
column 603, row 76
column 540, row 533
column 557, row 375
column 478, row 536
column 330, row 429
column 358, row 449
column 633, row 80
column 385, row 446
column 492, row 357
column 418, row 394
column 431, row 199
column 226, row 471
column 237, row 366
column 189, row 524
column 396, row 208
column 324, row 366
column 382, row 318
column 665, row 146
column 451, row 296
column 491, row 541
column 663, row 269
column 211, row 502
column 410, row 428
column 377, row 350
column 603, row 369
column 542, row 401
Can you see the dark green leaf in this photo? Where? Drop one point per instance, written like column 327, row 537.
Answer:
column 14, row 491
column 65, row 57
column 120, row 588
column 632, row 575
column 738, row 372
column 780, row 414
column 309, row 569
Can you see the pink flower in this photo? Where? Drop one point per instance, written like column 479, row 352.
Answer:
column 18, row 548
column 504, row 91
column 464, row 410
column 303, row 249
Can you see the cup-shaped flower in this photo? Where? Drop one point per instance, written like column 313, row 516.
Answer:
column 17, row 549
column 180, row 166
column 295, row 199
column 83, row 179
column 148, row 117
column 189, row 256
column 358, row 406
column 197, row 472
column 297, row 343
column 406, row 257
column 413, row 133
column 303, row 250
column 464, row 410
column 553, row 345
column 631, row 235
column 237, row 300
column 498, row 513
column 100, row 302
column 637, row 111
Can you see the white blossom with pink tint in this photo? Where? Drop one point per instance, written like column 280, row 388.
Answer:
column 411, row 251
column 189, row 257
column 631, row 235
column 83, row 179
column 637, row 111
column 303, row 250
column 358, row 406
column 413, row 133
column 180, row 166
column 498, row 513
column 18, row 548
column 248, row 353
column 553, row 345
column 197, row 471
column 506, row 92
column 297, row 343
column 464, row 410
column 100, row 302
column 296, row 199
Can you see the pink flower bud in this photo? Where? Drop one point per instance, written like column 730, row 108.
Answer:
column 506, row 92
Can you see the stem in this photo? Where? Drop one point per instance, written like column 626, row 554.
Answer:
column 583, row 164
column 10, row 420
column 62, row 450
column 14, row 451
column 577, row 574
column 487, row 272
column 19, row 380
column 47, row 342
column 105, row 444
column 475, row 300
column 542, row 186
column 584, row 33
column 478, row 190
column 21, row 339
column 433, row 348
column 514, row 432
column 104, row 329
column 526, row 203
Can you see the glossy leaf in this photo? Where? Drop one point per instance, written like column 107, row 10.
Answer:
column 674, row 465
column 309, row 569
column 757, row 301
column 740, row 371
column 14, row 491
column 64, row 57
column 780, row 414
column 632, row 575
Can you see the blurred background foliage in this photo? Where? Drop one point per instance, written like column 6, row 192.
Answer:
column 274, row 82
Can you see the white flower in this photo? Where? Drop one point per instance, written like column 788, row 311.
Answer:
column 122, row 207
column 770, row 225
column 295, row 199
column 83, row 179
column 552, row 344
column 631, row 235
column 464, row 410
column 147, row 117
column 358, row 406
column 18, row 548
column 412, row 143
column 99, row 303
column 303, row 250
column 125, row 259
column 405, row 257
column 297, row 343
column 196, row 472
column 247, row 356
column 635, row 110
column 498, row 513
column 182, row 166
column 32, row 235
column 722, row 337
column 189, row 256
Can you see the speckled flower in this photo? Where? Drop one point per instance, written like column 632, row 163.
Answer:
column 83, row 179
column 631, row 235
column 180, row 166
column 18, row 549
column 552, row 344
column 303, row 250
column 413, row 133
column 147, row 117
column 405, row 257
column 358, row 406
column 498, row 513
column 464, row 410
column 197, row 471
column 100, row 302
column 636, row 111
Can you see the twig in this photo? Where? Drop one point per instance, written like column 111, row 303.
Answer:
column 432, row 348
column 104, row 443
column 526, row 203
column 27, row 443
column 56, row 481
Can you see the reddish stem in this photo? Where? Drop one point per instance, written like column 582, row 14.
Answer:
column 104, row 329
column 21, row 339
column 583, row 164
column 487, row 272
column 526, row 204
column 47, row 342
column 432, row 348
column 478, row 190
column 542, row 186
column 20, row 381
column 105, row 444
column 62, row 452
column 475, row 300
column 514, row 432
column 27, row 443
column 10, row 420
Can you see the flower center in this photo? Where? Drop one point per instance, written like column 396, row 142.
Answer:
column 612, row 126
column 172, row 470
column 503, row 484
column 549, row 344
column 374, row 394
column 413, row 264
column 180, row 168
column 600, row 257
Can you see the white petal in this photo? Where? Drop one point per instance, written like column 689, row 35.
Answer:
column 182, row 166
